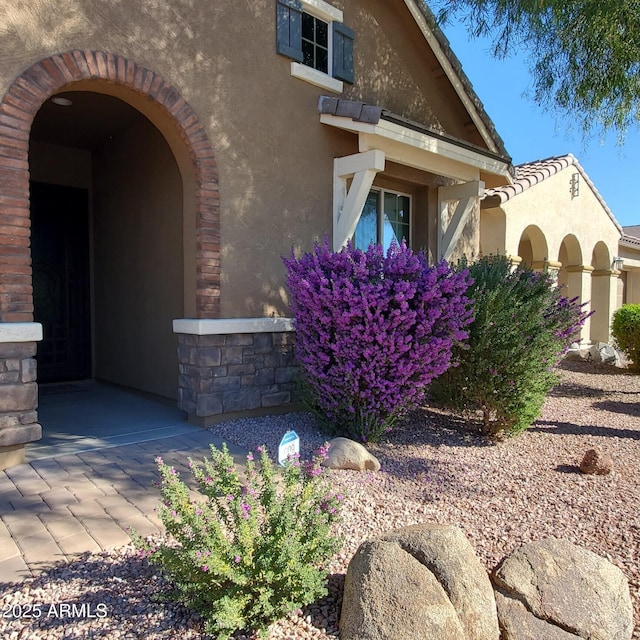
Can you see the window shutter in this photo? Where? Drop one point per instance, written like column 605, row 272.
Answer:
column 289, row 28
column 342, row 52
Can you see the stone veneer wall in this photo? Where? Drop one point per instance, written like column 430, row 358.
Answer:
column 18, row 397
column 227, row 373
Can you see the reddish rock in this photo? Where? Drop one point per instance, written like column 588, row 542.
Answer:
column 596, row 463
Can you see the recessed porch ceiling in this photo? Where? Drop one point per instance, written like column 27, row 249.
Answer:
column 88, row 123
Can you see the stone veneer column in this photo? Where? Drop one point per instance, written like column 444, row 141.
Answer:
column 230, row 366
column 18, row 390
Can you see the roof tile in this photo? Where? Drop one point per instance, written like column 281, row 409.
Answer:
column 531, row 173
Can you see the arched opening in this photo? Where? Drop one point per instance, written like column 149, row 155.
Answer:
column 574, row 278
column 532, row 247
column 601, row 292
column 113, row 216
column 107, row 246
column 570, row 257
column 600, row 257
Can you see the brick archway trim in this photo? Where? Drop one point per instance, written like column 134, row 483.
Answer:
column 18, row 108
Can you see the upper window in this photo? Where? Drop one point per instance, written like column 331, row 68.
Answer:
column 385, row 218
column 311, row 33
column 315, row 43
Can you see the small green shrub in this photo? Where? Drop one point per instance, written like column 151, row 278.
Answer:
column 626, row 332
column 249, row 553
column 522, row 325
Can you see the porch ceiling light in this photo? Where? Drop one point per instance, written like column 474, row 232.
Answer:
column 62, row 102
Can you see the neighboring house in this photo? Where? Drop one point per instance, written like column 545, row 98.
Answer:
column 158, row 158
column 629, row 252
column 553, row 216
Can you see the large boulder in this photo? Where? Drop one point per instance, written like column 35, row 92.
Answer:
column 551, row 586
column 518, row 622
column 419, row 582
column 349, row 454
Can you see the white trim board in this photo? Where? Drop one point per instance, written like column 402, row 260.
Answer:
column 419, row 149
column 20, row 332
column 323, row 10
column 224, row 326
column 315, row 77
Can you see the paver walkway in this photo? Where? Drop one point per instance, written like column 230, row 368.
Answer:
column 53, row 509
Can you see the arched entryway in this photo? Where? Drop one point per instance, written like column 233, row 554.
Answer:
column 154, row 157
column 162, row 104
column 106, row 243
column 533, row 248
column 604, row 290
column 574, row 277
column 570, row 257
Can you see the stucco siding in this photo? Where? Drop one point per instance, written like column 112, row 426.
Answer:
column 274, row 157
column 137, row 222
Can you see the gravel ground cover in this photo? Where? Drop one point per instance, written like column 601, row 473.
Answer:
column 432, row 470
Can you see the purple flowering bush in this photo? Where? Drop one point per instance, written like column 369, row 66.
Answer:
column 372, row 331
column 254, row 548
column 522, row 326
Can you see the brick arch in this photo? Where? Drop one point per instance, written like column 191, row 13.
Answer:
column 19, row 107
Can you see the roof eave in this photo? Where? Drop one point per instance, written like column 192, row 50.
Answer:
column 452, row 68
column 422, row 149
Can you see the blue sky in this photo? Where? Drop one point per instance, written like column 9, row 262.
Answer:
column 530, row 133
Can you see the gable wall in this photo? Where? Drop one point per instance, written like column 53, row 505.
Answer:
column 549, row 205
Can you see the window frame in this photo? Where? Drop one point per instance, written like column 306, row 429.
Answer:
column 333, row 17
column 317, row 46
column 380, row 192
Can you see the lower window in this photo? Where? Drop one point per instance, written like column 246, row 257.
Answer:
column 385, row 217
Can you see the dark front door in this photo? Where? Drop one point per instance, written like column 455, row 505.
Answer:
column 60, row 257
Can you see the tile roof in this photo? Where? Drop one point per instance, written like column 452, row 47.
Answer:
column 633, row 231
column 630, row 241
column 531, row 173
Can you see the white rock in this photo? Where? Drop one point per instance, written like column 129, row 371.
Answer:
column 349, row 454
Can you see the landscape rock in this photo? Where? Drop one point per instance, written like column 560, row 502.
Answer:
column 349, row 454
column 519, row 623
column 604, row 353
column 575, row 352
column 565, row 587
column 595, row 462
column 429, row 573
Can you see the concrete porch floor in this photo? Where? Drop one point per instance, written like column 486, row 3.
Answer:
column 91, row 476
column 88, row 415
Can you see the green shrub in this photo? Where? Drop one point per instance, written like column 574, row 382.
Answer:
column 626, row 332
column 522, row 325
column 251, row 552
